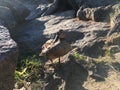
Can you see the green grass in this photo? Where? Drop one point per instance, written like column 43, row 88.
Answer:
column 107, row 53
column 82, row 60
column 79, row 57
column 29, row 68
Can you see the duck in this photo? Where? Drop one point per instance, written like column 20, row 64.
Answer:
column 56, row 48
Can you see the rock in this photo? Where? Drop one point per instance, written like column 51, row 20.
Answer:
column 114, row 49
column 115, row 20
column 113, row 39
column 36, row 13
column 7, row 17
column 99, row 3
column 36, row 7
column 117, row 56
column 110, row 13
column 115, row 17
column 19, row 11
column 8, row 59
column 74, row 5
column 101, row 14
column 98, row 14
column 56, row 6
column 67, row 77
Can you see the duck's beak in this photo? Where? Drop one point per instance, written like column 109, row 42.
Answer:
column 56, row 38
column 41, row 54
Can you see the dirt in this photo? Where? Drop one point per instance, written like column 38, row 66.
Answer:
column 111, row 73
column 112, row 82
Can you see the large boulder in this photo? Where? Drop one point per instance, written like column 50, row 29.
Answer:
column 19, row 11
column 7, row 17
column 98, row 3
column 103, row 13
column 37, row 7
column 75, row 4
column 8, row 59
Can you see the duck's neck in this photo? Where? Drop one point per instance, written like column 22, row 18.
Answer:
column 58, row 39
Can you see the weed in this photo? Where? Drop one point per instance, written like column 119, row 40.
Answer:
column 78, row 56
column 30, row 69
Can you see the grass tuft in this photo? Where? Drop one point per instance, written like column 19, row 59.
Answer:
column 29, row 69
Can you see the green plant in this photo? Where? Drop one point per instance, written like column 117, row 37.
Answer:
column 30, row 69
column 107, row 52
column 78, row 56
column 83, row 61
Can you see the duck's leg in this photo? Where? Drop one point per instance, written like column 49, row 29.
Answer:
column 51, row 64
column 59, row 61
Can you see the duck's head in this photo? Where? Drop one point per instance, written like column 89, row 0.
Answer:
column 43, row 52
column 46, row 47
column 60, row 35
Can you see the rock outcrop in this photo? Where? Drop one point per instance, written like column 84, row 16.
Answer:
column 74, row 5
column 100, row 14
column 8, row 59
column 7, row 17
column 19, row 11
column 36, row 7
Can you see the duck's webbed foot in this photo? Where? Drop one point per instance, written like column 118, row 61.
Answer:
column 49, row 63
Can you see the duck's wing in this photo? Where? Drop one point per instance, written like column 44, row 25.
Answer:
column 60, row 49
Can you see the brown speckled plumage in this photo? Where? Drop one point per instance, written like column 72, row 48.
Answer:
column 57, row 48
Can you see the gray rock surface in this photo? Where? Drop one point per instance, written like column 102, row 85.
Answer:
column 99, row 14
column 114, row 49
column 19, row 11
column 36, row 7
column 69, row 77
column 98, row 3
column 110, row 14
column 115, row 24
column 8, row 59
column 113, row 39
column 74, row 5
column 7, row 17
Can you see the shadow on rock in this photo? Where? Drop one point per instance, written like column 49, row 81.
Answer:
column 30, row 35
column 68, row 76
column 101, row 72
column 73, row 36
column 95, row 48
